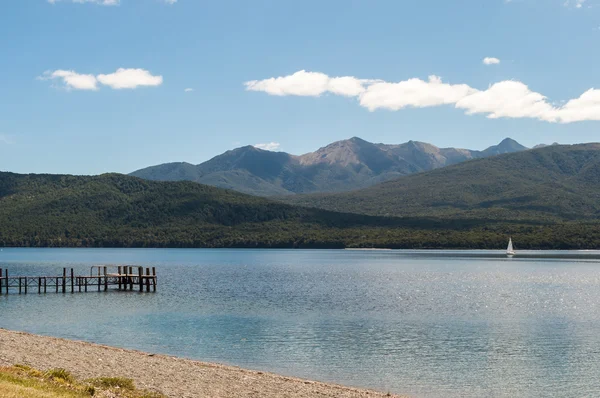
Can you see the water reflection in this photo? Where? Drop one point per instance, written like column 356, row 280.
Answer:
column 430, row 324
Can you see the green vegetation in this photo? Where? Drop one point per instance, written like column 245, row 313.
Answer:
column 23, row 381
column 120, row 211
column 547, row 185
column 113, row 382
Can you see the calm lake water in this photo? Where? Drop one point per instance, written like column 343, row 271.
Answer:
column 429, row 324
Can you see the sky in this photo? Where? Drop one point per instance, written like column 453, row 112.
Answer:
column 95, row 86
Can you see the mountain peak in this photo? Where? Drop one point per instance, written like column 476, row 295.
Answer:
column 340, row 166
column 508, row 141
column 507, row 145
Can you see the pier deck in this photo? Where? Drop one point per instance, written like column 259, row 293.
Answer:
column 125, row 278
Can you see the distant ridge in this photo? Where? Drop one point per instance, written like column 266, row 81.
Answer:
column 112, row 210
column 552, row 183
column 340, row 166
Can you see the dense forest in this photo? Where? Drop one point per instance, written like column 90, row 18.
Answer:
column 120, row 211
column 551, row 184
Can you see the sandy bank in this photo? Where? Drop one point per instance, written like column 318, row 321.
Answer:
column 174, row 377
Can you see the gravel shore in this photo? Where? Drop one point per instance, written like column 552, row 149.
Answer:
column 171, row 376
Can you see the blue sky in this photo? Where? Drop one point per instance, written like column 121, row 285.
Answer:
column 87, row 88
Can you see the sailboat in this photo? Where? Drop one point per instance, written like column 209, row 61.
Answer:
column 509, row 250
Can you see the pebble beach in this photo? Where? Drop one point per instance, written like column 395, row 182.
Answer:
column 171, row 376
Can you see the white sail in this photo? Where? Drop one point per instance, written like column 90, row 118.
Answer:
column 509, row 249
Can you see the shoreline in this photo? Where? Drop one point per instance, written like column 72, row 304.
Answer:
column 169, row 375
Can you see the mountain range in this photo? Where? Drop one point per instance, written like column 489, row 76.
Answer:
column 552, row 183
column 341, row 166
column 544, row 198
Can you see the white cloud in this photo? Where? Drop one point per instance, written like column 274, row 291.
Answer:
column 304, row 83
column 130, row 78
column 122, row 78
column 101, row 2
column 270, row 146
column 505, row 99
column 412, row 93
column 586, row 107
column 510, row 99
column 72, row 80
column 491, row 61
column 188, row 90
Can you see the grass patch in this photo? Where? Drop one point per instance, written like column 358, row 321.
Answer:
column 113, row 382
column 60, row 376
column 23, row 381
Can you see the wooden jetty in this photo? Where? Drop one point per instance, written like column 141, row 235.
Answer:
column 100, row 279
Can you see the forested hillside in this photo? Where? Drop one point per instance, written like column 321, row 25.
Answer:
column 120, row 211
column 550, row 184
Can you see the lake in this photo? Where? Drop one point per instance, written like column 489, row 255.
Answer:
column 423, row 323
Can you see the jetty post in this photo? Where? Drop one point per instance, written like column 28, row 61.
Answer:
column 154, row 279
column 147, row 279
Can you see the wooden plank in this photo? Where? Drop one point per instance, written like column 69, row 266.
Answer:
column 26, row 285
column 105, row 280
column 119, row 278
column 130, row 278
column 64, row 280
column 153, row 279
column 147, row 279
column 45, row 283
column 141, row 278
column 72, row 282
column 39, row 285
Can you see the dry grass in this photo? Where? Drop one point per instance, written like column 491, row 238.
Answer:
column 21, row 381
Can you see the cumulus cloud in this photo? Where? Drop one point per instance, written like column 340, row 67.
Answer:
column 305, row 83
column 121, row 79
column 130, row 78
column 586, row 107
column 188, row 90
column 72, row 79
column 510, row 99
column 505, row 99
column 491, row 61
column 415, row 93
column 270, row 146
